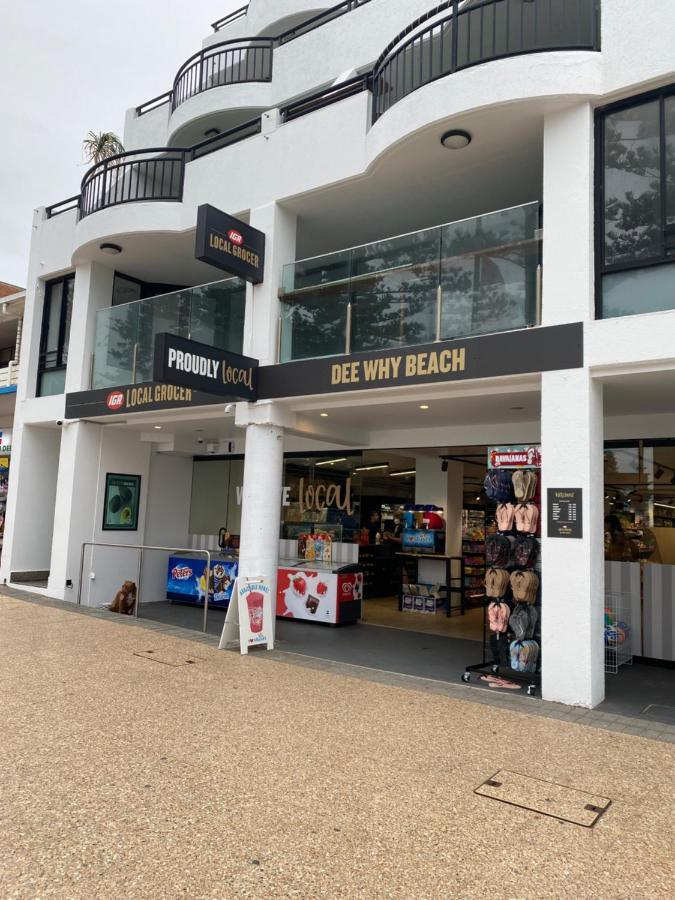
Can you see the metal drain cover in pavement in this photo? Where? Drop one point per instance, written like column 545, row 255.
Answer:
column 167, row 658
column 545, row 797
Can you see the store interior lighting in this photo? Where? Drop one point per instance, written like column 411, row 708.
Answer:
column 406, row 472
column 331, row 462
column 370, row 468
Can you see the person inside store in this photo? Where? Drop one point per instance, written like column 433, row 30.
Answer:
column 391, row 537
column 617, row 546
column 373, row 527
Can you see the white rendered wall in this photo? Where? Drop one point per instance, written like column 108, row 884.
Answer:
column 93, row 291
column 572, row 610
column 31, row 499
column 568, row 247
column 444, row 489
column 167, row 519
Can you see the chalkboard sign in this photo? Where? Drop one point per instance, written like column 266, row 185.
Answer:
column 564, row 513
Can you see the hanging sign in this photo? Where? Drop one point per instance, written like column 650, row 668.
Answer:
column 190, row 364
column 230, row 244
column 249, row 615
column 564, row 513
column 521, row 456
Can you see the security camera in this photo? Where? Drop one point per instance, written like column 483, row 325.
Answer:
column 59, row 423
column 229, row 408
column 200, row 440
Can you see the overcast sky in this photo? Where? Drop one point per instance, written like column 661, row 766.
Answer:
column 68, row 67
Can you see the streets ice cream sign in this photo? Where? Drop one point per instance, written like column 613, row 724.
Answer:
column 190, row 364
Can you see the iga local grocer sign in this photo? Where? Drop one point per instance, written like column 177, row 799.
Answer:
column 521, row 456
column 190, row 364
column 230, row 244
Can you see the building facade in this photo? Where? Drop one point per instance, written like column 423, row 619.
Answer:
column 469, row 214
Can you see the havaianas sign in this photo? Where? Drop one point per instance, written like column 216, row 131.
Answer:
column 190, row 364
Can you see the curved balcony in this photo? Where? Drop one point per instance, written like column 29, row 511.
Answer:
column 229, row 62
column 150, row 175
column 476, row 32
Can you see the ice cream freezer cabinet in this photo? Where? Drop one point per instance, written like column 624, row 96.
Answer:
column 320, row 593
column 187, row 583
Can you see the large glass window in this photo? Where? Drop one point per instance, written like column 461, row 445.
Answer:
column 636, row 233
column 55, row 334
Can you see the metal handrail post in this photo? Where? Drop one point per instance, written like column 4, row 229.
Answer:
column 138, row 584
column 208, row 589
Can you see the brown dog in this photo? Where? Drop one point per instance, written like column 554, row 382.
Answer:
column 125, row 599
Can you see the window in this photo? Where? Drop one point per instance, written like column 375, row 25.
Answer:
column 636, row 205
column 56, row 315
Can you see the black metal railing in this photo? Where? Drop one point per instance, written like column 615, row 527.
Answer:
column 146, row 175
column 232, row 17
column 475, row 33
column 232, row 62
column 324, row 97
column 237, row 61
column 327, row 15
column 64, row 206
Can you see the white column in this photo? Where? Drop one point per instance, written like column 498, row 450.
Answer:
column 93, row 291
column 75, row 504
column 573, row 569
column 261, row 326
column 568, row 216
column 261, row 490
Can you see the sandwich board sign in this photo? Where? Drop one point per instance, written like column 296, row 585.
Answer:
column 248, row 620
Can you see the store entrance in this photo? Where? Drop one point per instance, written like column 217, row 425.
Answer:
column 411, row 522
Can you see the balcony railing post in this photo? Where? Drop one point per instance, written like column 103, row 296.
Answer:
column 348, row 330
column 454, row 42
column 134, row 364
column 439, row 301
column 201, row 72
column 103, row 184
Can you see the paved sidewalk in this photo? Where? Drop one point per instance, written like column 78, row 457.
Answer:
column 126, row 775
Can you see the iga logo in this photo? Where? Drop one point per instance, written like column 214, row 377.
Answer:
column 235, row 237
column 115, row 400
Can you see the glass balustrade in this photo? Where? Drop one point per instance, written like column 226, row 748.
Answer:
column 471, row 277
column 125, row 335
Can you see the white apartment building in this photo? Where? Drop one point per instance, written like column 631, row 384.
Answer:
column 469, row 215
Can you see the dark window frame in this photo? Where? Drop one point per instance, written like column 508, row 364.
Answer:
column 668, row 232
column 63, row 338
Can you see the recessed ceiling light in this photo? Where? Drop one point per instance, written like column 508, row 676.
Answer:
column 211, row 132
column 456, row 139
column 110, row 249
column 324, row 415
column 157, row 427
column 424, row 406
column 331, row 462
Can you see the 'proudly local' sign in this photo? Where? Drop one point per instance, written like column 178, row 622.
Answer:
column 179, row 361
column 230, row 244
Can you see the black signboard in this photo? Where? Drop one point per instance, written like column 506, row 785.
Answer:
column 564, row 513
column 205, row 368
column 230, row 244
column 487, row 356
column 148, row 396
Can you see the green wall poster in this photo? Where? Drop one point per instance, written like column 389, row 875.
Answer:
column 122, row 499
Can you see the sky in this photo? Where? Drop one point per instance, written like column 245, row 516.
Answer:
column 73, row 66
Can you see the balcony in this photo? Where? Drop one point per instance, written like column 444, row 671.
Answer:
column 125, row 335
column 230, row 62
column 146, row 175
column 476, row 32
column 9, row 377
column 475, row 276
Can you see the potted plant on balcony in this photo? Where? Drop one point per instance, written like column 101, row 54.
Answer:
column 98, row 146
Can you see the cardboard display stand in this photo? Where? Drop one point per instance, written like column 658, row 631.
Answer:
column 248, row 620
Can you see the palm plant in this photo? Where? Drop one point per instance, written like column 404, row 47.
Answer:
column 101, row 145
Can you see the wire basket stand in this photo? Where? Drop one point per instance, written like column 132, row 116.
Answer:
column 617, row 632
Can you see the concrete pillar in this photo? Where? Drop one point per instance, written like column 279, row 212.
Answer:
column 261, row 490
column 29, row 518
column 568, row 249
column 75, row 504
column 93, row 291
column 261, row 325
column 573, row 569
